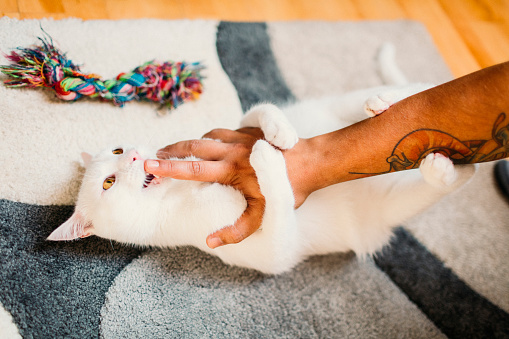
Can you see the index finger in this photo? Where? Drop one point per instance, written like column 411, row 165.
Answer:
column 209, row 171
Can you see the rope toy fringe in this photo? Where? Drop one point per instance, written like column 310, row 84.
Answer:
column 170, row 83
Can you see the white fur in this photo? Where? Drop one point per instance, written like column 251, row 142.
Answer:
column 358, row 215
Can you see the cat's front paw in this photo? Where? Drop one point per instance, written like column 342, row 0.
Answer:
column 438, row 170
column 277, row 129
column 270, row 167
column 378, row 104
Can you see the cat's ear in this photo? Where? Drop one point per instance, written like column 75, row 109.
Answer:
column 75, row 227
column 86, row 158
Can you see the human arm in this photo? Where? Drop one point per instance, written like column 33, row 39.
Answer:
column 464, row 119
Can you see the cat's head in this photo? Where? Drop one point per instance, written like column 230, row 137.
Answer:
column 113, row 195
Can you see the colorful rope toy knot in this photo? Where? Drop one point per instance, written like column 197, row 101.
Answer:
column 170, row 83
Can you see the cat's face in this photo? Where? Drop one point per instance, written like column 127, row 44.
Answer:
column 115, row 195
column 115, row 172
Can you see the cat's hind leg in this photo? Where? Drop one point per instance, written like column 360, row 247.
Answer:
column 274, row 124
column 396, row 197
column 381, row 102
column 440, row 172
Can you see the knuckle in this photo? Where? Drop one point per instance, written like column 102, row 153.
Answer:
column 215, row 133
column 240, row 148
column 236, row 236
column 167, row 167
column 192, row 146
column 196, row 168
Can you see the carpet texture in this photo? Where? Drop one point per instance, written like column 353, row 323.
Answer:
column 445, row 275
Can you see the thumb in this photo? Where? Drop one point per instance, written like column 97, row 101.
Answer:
column 248, row 223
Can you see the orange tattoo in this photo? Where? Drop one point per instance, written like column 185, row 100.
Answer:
column 415, row 146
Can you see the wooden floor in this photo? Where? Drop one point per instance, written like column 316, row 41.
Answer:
column 470, row 34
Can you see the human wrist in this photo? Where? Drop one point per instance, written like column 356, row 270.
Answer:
column 312, row 164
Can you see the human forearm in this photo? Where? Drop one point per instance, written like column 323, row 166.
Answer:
column 463, row 119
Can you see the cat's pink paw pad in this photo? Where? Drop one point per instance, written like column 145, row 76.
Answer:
column 438, row 170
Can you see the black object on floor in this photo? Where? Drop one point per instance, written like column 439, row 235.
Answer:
column 502, row 176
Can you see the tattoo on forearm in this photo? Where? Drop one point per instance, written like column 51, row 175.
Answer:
column 415, row 146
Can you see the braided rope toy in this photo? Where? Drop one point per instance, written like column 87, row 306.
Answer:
column 170, row 83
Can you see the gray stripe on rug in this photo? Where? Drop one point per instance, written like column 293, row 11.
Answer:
column 452, row 305
column 246, row 56
column 54, row 289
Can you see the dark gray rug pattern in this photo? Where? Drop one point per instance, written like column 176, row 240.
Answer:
column 54, row 289
column 450, row 303
column 246, row 56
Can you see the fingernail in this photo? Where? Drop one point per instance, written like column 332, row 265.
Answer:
column 151, row 164
column 214, row 242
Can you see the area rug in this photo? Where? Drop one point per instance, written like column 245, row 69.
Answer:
column 446, row 273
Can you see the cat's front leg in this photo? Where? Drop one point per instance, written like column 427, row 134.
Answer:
column 275, row 126
column 381, row 102
column 277, row 242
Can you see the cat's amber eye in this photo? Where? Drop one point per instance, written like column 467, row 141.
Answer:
column 108, row 182
column 117, row 151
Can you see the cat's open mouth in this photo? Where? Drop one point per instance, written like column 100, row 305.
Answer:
column 151, row 180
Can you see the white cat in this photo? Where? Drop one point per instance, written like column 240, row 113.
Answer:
column 119, row 201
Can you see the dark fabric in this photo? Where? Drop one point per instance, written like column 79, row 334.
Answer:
column 246, row 56
column 54, row 288
column 502, row 177
column 452, row 305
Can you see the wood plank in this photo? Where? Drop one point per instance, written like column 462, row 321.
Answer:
column 380, row 10
column 482, row 29
column 199, row 9
column 500, row 10
column 41, row 6
column 10, row 15
column 489, row 42
column 233, row 10
column 8, row 6
column 42, row 15
column 270, row 10
column 449, row 42
column 87, row 10
column 327, row 10
column 135, row 9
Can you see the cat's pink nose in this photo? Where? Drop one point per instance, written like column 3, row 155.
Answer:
column 133, row 155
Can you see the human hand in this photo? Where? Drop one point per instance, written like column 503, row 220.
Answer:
column 225, row 162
